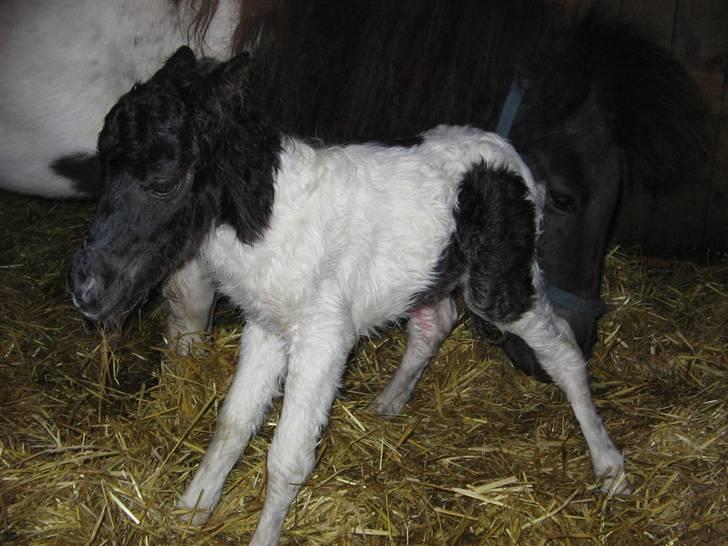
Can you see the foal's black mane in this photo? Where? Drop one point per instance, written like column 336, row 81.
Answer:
column 378, row 70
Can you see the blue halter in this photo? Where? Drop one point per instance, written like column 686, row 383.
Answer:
column 591, row 307
column 510, row 109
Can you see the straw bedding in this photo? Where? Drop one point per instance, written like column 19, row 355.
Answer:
column 100, row 432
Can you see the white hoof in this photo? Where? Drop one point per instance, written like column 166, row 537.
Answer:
column 616, row 484
column 387, row 406
column 193, row 515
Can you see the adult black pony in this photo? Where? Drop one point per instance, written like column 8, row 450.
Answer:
column 588, row 102
column 593, row 104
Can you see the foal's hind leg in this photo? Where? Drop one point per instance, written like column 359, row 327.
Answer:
column 551, row 339
column 190, row 296
column 427, row 328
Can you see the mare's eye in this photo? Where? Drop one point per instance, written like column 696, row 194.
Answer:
column 561, row 201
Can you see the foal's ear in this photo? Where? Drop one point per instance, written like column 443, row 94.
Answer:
column 230, row 80
column 181, row 62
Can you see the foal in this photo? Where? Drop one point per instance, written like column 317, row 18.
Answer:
column 317, row 246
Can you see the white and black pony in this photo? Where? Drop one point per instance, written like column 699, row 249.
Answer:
column 317, row 246
column 589, row 103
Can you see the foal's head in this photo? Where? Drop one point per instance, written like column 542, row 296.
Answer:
column 161, row 195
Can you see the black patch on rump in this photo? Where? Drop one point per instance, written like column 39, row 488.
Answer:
column 493, row 246
column 82, row 169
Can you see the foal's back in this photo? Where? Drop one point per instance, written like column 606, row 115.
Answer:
column 359, row 228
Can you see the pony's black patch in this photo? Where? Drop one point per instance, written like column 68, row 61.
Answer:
column 244, row 166
column 496, row 235
column 82, row 169
column 493, row 246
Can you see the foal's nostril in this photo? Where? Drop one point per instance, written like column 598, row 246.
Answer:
column 84, row 292
column 87, row 290
column 86, row 286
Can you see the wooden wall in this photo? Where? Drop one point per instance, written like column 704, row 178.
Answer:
column 693, row 221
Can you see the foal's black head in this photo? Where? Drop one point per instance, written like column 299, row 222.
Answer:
column 161, row 151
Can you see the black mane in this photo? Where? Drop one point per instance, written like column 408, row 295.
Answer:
column 240, row 149
column 378, row 70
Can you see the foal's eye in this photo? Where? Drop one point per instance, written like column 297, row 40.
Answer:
column 561, row 201
column 164, row 188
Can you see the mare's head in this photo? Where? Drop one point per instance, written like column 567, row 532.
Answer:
column 581, row 166
column 160, row 151
column 602, row 105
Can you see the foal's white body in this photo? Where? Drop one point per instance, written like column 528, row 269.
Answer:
column 358, row 228
column 354, row 236
column 63, row 65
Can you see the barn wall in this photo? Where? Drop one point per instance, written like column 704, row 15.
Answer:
column 691, row 221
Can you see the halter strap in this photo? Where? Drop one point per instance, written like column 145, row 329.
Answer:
column 592, row 307
column 510, row 108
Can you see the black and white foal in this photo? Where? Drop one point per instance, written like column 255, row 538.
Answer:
column 317, row 246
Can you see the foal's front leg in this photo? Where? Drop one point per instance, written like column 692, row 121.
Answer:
column 190, row 296
column 552, row 341
column 314, row 372
column 257, row 380
column 428, row 327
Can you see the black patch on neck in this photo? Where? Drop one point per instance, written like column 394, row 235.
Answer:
column 82, row 169
column 245, row 165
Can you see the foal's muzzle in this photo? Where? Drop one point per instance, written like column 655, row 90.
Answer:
column 88, row 282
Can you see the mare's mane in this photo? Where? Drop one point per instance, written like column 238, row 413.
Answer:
column 381, row 70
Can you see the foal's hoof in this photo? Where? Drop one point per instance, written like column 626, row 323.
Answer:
column 617, row 484
column 186, row 344
column 194, row 516
column 386, row 407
